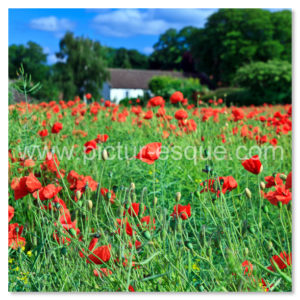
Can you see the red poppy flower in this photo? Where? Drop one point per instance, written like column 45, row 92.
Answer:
column 134, row 209
column 105, row 193
column 25, row 185
column 148, row 115
column 248, row 267
column 146, row 221
column 288, row 182
column 101, row 138
column 90, row 146
column 176, row 97
column 103, row 272
column 156, row 101
column 43, row 133
column 282, row 261
column 271, row 181
column 88, row 96
column 47, row 192
column 128, row 227
column 149, row 153
column 238, row 114
column 15, row 239
column 183, row 211
column 253, row 165
column 137, row 244
column 11, row 212
column 100, row 255
column 281, row 194
column 181, row 114
column 57, row 127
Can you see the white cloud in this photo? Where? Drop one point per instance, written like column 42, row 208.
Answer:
column 129, row 22
column 52, row 24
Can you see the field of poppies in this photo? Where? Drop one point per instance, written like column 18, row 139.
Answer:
column 169, row 197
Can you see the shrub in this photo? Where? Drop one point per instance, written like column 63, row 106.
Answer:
column 268, row 82
column 165, row 86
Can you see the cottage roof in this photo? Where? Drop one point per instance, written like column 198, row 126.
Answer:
column 136, row 79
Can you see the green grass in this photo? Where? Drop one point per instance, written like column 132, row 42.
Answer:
column 203, row 253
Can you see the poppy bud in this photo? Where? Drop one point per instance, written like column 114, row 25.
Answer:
column 262, row 185
column 155, row 201
column 104, row 155
column 132, row 186
column 270, row 245
column 90, row 204
column 198, row 194
column 78, row 195
column 188, row 244
column 248, row 193
column 178, row 196
column 279, row 204
column 63, row 250
column 147, row 235
column 80, row 203
column 252, row 229
column 110, row 174
column 72, row 231
column 246, row 251
column 283, row 177
column 265, row 209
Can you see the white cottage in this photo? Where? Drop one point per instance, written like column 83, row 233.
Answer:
column 131, row 83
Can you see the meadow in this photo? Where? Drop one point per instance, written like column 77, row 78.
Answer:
column 169, row 197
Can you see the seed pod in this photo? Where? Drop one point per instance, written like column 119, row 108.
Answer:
column 262, row 185
column 104, row 155
column 265, row 209
column 78, row 195
column 108, row 195
column 147, row 235
column 90, row 204
column 197, row 193
column 248, row 193
column 178, row 196
column 283, row 177
column 279, row 204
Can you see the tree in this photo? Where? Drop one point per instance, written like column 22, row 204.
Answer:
column 33, row 59
column 170, row 48
column 84, row 69
column 234, row 37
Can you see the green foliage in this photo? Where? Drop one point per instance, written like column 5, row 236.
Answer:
column 124, row 58
column 84, row 69
column 32, row 58
column 169, row 50
column 165, row 86
column 233, row 37
column 268, row 82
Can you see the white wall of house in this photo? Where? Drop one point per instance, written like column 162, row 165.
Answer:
column 117, row 95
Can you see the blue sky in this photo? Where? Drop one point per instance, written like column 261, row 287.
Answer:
column 130, row 28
